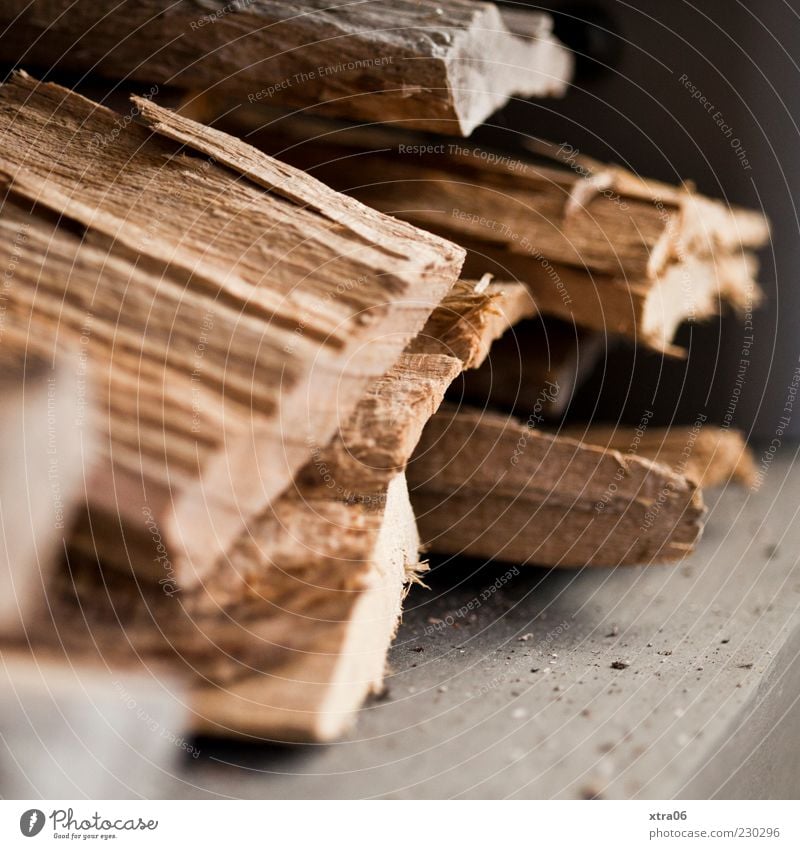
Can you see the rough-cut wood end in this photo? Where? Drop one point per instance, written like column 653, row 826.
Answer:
column 312, row 695
column 472, row 317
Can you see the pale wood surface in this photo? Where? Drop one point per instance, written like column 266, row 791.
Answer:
column 46, row 445
column 445, row 68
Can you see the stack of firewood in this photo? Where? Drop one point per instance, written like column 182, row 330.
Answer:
column 230, row 330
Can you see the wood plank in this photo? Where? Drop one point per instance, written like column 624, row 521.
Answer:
column 488, row 486
column 444, row 69
column 225, row 294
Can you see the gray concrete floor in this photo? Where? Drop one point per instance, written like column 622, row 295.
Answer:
column 517, row 696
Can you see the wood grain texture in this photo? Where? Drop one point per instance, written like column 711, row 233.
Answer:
column 376, row 442
column 597, row 246
column 472, row 318
column 445, row 68
column 288, row 634
column 222, row 295
column 488, row 486
column 709, row 455
column 595, row 217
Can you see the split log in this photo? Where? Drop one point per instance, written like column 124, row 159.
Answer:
column 488, row 486
column 445, row 68
column 647, row 312
column 600, row 248
column 45, row 450
column 709, row 455
column 289, row 634
column 222, row 295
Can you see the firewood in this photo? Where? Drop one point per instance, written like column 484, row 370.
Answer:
column 289, row 633
column 341, row 546
column 45, row 448
column 603, row 249
column 488, row 486
column 223, row 296
column 709, row 455
column 445, row 68
column 377, row 441
column 645, row 311
column 472, row 318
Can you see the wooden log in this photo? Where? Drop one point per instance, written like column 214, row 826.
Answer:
column 289, row 634
column 709, row 455
column 223, row 296
column 487, row 486
column 446, row 68
column 602, row 248
column 46, row 444
column 601, row 218
column 645, row 312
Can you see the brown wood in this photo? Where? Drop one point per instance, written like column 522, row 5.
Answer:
column 471, row 319
column 646, row 312
column 488, row 486
column 223, row 296
column 595, row 217
column 709, row 455
column 445, row 68
column 376, row 442
column 601, row 248
column 289, row 633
